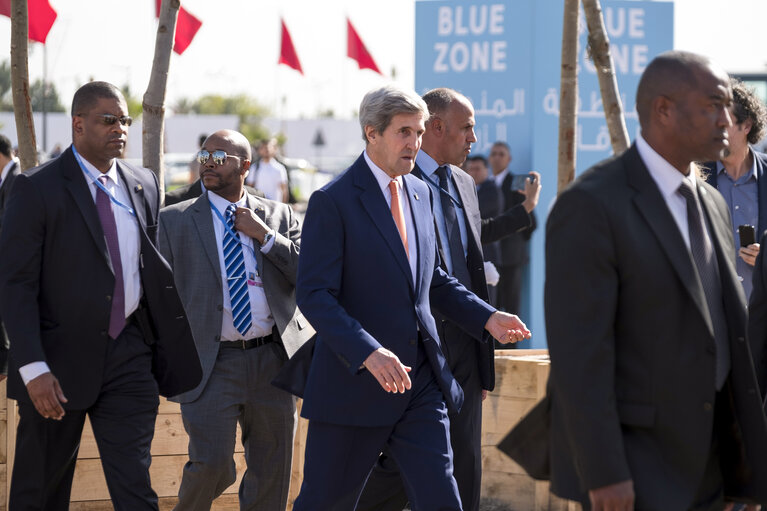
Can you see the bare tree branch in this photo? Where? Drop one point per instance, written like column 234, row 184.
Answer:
column 568, row 96
column 22, row 105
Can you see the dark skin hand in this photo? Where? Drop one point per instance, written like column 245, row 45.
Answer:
column 248, row 223
column 615, row 497
column 47, row 396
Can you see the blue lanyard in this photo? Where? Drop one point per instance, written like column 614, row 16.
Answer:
column 442, row 190
column 232, row 233
column 98, row 183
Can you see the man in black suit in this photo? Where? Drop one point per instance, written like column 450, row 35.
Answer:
column 490, row 200
column 9, row 169
column 514, row 253
column 460, row 234
column 95, row 323
column 654, row 400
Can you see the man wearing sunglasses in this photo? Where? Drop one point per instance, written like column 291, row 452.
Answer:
column 95, row 324
column 234, row 257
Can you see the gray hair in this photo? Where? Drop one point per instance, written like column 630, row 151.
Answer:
column 379, row 106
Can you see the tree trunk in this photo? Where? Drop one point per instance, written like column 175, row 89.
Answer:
column 22, row 106
column 599, row 49
column 154, row 98
column 568, row 96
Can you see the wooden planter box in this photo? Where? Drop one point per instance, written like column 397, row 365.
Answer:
column 520, row 383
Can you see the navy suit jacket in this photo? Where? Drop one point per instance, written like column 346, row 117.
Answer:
column 761, row 184
column 356, row 288
column 56, row 283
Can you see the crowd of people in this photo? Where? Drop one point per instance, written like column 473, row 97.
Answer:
column 376, row 310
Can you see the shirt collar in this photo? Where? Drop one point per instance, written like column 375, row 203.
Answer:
column 665, row 175
column 7, row 167
column 221, row 203
column 500, row 177
column 382, row 177
column 752, row 174
column 427, row 164
column 93, row 173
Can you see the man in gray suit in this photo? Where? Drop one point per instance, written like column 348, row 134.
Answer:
column 234, row 258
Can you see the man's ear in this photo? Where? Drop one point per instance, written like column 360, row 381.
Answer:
column 245, row 167
column 77, row 125
column 662, row 108
column 370, row 134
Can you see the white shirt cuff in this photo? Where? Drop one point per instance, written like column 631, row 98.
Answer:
column 32, row 370
column 266, row 248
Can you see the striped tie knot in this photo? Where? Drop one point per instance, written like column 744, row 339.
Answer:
column 234, row 261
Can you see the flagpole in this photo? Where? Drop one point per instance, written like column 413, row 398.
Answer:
column 45, row 102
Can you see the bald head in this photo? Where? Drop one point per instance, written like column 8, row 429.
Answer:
column 239, row 144
column 450, row 128
column 670, row 74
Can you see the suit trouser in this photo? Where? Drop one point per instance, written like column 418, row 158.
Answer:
column 239, row 391
column 339, row 458
column 384, row 490
column 122, row 418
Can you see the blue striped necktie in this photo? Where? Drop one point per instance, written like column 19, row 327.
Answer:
column 235, row 275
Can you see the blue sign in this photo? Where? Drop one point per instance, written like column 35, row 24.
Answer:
column 505, row 56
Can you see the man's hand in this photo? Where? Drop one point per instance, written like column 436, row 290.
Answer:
column 388, row 370
column 506, row 327
column 615, row 497
column 249, row 223
column 532, row 191
column 47, row 396
column 749, row 253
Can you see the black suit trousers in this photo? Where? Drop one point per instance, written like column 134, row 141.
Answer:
column 122, row 418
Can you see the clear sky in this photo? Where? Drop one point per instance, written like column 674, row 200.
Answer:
column 236, row 49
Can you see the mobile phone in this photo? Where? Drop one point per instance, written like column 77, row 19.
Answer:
column 518, row 181
column 746, row 235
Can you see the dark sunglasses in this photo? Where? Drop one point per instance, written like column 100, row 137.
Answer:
column 110, row 119
column 219, row 157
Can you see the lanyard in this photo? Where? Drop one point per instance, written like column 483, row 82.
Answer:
column 442, row 190
column 233, row 233
column 98, row 183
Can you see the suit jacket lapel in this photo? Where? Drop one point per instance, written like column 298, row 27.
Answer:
column 135, row 192
column 420, row 209
column 374, row 204
column 761, row 185
column 254, row 205
column 203, row 220
column 78, row 188
column 417, row 172
column 467, row 193
column 652, row 206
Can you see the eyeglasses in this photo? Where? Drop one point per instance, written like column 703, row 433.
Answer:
column 110, row 119
column 219, row 157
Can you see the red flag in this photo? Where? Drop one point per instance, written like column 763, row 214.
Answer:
column 187, row 26
column 356, row 50
column 288, row 55
column 41, row 17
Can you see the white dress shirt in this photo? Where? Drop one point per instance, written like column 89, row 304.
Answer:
column 261, row 315
column 383, row 181
column 130, row 248
column 7, row 169
column 668, row 179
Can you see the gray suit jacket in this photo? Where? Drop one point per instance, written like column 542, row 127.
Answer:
column 188, row 242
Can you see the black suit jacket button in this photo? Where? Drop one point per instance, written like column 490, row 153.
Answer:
column 109, row 298
column 708, row 407
column 220, row 307
column 103, row 333
column 413, row 342
column 218, row 337
column 741, row 339
column 752, row 391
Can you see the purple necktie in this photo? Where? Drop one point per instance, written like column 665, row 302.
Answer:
column 104, row 207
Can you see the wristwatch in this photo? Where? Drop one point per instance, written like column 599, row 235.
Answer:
column 267, row 237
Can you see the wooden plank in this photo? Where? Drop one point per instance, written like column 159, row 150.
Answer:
column 12, row 412
column 226, row 502
column 89, row 483
column 169, row 438
column 168, row 406
column 299, row 445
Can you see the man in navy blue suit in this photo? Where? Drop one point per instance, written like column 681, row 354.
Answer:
column 367, row 278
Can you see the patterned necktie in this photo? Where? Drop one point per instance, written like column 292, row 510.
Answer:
column 235, row 275
column 708, row 270
column 455, row 245
column 109, row 226
column 398, row 214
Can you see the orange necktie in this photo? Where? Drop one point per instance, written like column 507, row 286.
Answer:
column 399, row 216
